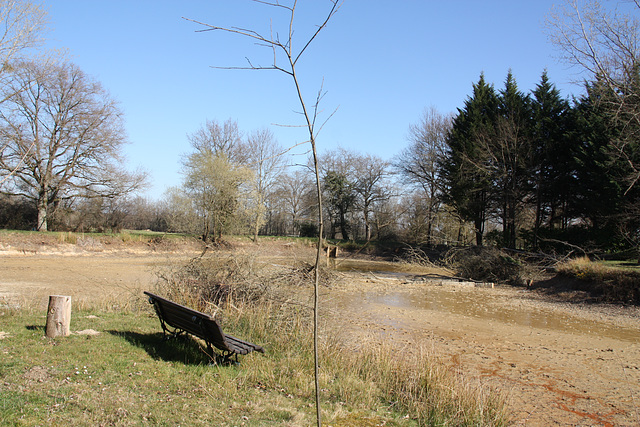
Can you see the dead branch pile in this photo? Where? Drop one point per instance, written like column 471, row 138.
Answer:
column 485, row 264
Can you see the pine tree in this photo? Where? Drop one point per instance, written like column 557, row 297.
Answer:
column 511, row 153
column 553, row 172
column 599, row 171
column 467, row 182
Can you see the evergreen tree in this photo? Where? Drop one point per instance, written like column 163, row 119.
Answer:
column 600, row 193
column 553, row 172
column 511, row 153
column 466, row 180
column 341, row 197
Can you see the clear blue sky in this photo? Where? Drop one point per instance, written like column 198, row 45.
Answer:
column 383, row 63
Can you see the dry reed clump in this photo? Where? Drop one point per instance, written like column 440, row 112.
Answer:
column 214, row 280
column 485, row 264
column 302, row 274
column 358, row 377
column 414, row 382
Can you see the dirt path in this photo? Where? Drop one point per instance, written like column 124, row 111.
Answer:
column 582, row 367
column 90, row 278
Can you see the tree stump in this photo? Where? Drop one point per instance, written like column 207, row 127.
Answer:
column 58, row 316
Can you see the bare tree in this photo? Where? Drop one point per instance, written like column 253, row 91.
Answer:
column 22, row 25
column 263, row 157
column 605, row 43
column 179, row 212
column 419, row 162
column 285, row 60
column 293, row 189
column 370, row 186
column 215, row 138
column 64, row 135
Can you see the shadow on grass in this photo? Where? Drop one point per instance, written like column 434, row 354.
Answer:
column 183, row 348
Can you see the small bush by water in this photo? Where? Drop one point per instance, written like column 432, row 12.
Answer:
column 486, row 264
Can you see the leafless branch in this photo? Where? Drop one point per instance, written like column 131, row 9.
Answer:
column 310, row 117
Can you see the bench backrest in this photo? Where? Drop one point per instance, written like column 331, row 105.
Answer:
column 189, row 320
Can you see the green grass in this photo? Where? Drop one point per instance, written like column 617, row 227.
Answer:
column 630, row 265
column 127, row 375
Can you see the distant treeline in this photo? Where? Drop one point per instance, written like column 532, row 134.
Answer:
column 531, row 170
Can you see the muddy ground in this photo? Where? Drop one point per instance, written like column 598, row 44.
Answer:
column 558, row 363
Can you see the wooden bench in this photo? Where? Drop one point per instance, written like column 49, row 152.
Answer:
column 184, row 319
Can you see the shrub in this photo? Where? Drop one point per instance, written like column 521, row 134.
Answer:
column 219, row 279
column 308, row 229
column 486, row 264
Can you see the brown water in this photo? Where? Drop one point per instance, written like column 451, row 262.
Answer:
column 482, row 303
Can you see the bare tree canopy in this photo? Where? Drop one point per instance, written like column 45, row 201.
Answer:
column 602, row 41
column 265, row 159
column 22, row 24
column 63, row 136
column 605, row 42
column 419, row 163
column 215, row 138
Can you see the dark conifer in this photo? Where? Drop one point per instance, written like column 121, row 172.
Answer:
column 467, row 185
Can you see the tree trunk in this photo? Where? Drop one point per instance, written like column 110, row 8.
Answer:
column 58, row 316
column 479, row 234
column 343, row 226
column 538, row 221
column 42, row 214
column 256, row 228
column 367, row 225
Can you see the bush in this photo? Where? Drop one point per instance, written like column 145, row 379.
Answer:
column 485, row 264
column 221, row 279
column 17, row 213
column 308, row 229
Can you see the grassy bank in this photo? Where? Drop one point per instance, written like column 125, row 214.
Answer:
column 33, row 242
column 126, row 375
column 606, row 281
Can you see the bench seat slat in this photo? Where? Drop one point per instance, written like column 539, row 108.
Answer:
column 247, row 347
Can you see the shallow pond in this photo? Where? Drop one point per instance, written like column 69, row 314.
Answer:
column 481, row 303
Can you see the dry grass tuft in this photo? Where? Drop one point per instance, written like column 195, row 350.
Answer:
column 414, row 382
column 213, row 281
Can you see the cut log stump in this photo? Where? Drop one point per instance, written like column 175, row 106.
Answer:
column 58, row 316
